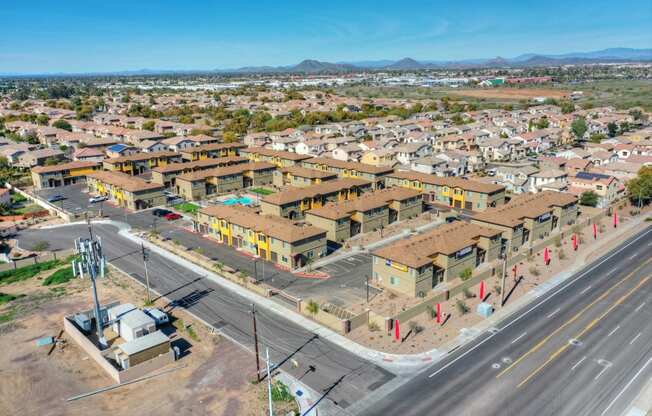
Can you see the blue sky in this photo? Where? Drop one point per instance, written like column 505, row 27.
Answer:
column 43, row 36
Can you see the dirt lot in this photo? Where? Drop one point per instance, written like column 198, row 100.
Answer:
column 216, row 378
column 511, row 93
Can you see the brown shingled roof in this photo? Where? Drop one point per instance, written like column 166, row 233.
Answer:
column 122, row 180
column 271, row 225
column 453, row 182
column 307, row 173
column 141, row 156
column 198, row 164
column 277, row 153
column 225, row 170
column 291, row 194
column 365, row 202
column 64, row 166
column 446, row 239
column 340, row 164
column 525, row 206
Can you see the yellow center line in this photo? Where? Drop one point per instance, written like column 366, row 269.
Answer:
column 570, row 321
column 586, row 329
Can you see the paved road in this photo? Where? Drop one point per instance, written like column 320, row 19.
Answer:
column 582, row 349
column 230, row 313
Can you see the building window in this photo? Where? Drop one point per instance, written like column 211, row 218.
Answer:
column 284, row 259
column 394, row 281
column 310, row 254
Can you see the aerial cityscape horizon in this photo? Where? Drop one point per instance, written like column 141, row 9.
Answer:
column 326, row 209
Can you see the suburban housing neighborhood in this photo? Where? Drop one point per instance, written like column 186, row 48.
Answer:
column 466, row 230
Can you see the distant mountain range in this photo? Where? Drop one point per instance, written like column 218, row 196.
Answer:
column 311, row 66
column 612, row 55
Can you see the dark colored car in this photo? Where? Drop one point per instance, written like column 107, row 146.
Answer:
column 172, row 216
column 55, row 198
column 159, row 212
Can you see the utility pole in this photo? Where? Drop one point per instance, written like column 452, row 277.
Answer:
column 145, row 258
column 367, row 285
column 502, row 283
column 253, row 314
column 269, row 384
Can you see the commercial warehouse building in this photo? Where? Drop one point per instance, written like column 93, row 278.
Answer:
column 416, row 265
column 457, row 193
column 270, row 237
column 126, row 191
column 369, row 212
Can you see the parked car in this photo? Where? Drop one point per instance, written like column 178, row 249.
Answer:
column 55, row 198
column 160, row 212
column 98, row 198
column 172, row 216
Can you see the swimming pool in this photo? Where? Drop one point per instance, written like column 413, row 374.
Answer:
column 243, row 200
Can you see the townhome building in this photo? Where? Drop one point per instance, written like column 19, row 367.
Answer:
column 126, row 191
column 198, row 185
column 529, row 218
column 373, row 174
column 371, row 211
column 269, row 237
column 212, row 150
column 279, row 158
column 417, row 265
column 450, row 192
column 139, row 163
column 166, row 175
column 62, row 174
column 293, row 202
column 300, row 177
column 606, row 187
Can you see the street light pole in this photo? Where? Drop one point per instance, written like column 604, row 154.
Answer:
column 502, row 284
column 253, row 314
column 269, row 385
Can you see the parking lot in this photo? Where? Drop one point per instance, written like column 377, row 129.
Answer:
column 345, row 285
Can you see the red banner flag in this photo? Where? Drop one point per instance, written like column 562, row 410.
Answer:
column 397, row 330
column 595, row 231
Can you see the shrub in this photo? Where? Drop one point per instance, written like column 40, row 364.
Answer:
column 467, row 293
column 414, row 327
column 281, row 392
column 562, row 254
column 466, row 274
column 432, row 311
column 497, row 289
column 461, row 307
column 557, row 241
column 534, row 271
column 373, row 326
column 59, row 277
column 312, row 307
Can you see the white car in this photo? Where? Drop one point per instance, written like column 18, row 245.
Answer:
column 95, row 199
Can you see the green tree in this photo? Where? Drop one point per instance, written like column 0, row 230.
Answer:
column 543, row 123
column 613, row 129
column 51, row 161
column 567, row 107
column 149, row 125
column 589, row 199
column 62, row 124
column 640, row 188
column 42, row 119
column 579, row 127
column 597, row 137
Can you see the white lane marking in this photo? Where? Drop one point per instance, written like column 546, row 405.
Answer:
column 613, row 330
column 612, row 270
column 626, row 387
column 632, row 256
column 635, row 338
column 586, row 289
column 519, row 317
column 553, row 313
column 519, row 337
column 639, row 307
column 578, row 363
column 600, row 373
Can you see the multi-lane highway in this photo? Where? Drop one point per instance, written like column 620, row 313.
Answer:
column 584, row 348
